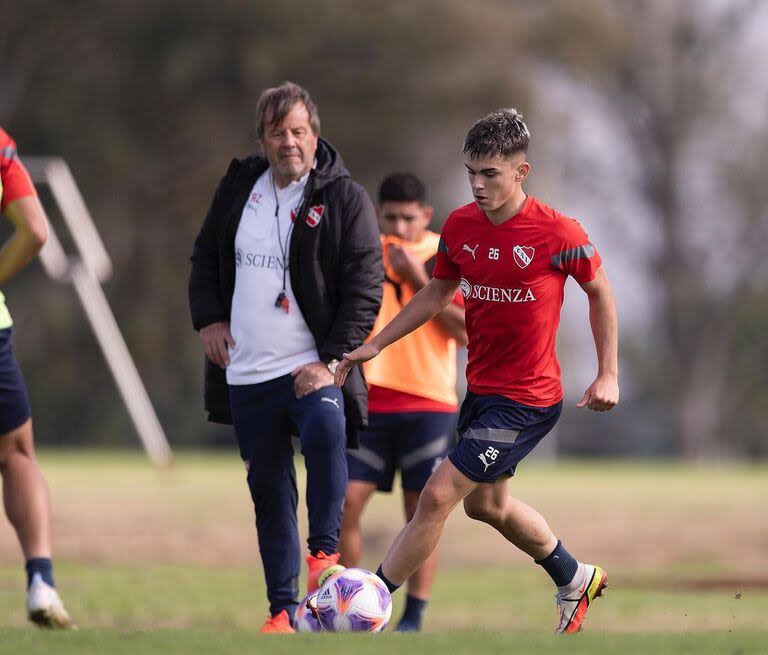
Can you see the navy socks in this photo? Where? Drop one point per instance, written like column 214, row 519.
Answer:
column 560, row 565
column 392, row 587
column 43, row 566
column 413, row 615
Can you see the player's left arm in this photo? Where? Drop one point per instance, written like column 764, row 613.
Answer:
column 603, row 394
column 30, row 231
column 425, row 305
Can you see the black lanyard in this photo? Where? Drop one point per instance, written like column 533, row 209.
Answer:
column 282, row 297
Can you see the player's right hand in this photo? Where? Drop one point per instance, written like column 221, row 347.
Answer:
column 602, row 395
column 358, row 356
column 216, row 337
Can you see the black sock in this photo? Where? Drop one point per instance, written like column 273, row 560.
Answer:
column 392, row 587
column 560, row 565
column 414, row 611
column 43, row 566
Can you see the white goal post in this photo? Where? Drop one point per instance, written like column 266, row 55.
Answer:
column 86, row 272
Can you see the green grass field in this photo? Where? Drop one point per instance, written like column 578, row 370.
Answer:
column 152, row 562
column 182, row 642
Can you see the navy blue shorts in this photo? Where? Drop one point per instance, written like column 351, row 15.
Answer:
column 414, row 442
column 496, row 433
column 14, row 402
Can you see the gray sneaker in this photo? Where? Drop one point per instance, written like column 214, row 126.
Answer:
column 44, row 606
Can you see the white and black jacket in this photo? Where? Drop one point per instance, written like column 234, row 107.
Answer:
column 335, row 266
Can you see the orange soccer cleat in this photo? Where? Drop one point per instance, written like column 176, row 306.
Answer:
column 280, row 623
column 321, row 566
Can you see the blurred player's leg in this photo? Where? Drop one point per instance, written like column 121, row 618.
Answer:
column 422, row 445
column 371, row 467
column 25, row 496
column 420, row 583
column 25, row 493
column 350, row 541
column 418, row 539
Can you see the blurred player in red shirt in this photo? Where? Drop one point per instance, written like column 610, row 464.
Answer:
column 24, row 490
column 510, row 255
column 412, row 401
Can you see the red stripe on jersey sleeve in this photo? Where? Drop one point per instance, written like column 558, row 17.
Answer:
column 16, row 182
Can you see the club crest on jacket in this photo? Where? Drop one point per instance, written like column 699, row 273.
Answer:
column 315, row 215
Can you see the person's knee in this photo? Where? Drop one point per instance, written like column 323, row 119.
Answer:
column 264, row 488
column 435, row 499
column 5, row 454
column 325, row 433
column 353, row 508
column 482, row 510
column 16, row 443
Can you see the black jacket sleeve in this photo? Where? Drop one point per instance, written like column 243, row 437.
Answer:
column 205, row 302
column 360, row 275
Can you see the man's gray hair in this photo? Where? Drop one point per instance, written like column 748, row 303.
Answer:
column 501, row 133
column 278, row 101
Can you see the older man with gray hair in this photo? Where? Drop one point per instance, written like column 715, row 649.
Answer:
column 286, row 277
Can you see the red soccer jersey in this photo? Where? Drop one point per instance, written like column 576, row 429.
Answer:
column 512, row 277
column 16, row 182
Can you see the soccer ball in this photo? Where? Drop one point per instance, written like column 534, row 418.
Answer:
column 305, row 620
column 354, row 600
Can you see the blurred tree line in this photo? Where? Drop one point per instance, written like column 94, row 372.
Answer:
column 148, row 101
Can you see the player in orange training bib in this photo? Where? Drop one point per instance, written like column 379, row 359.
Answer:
column 412, row 400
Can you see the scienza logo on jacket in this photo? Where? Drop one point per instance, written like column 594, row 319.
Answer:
column 315, row 215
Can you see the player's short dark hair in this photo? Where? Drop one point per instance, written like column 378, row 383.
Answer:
column 402, row 187
column 278, row 101
column 501, row 133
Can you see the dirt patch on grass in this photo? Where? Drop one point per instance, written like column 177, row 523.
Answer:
column 698, row 524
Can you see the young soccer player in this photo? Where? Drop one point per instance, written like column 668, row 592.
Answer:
column 412, row 400
column 510, row 255
column 25, row 494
